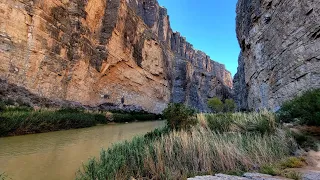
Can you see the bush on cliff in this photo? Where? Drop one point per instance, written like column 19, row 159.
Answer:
column 304, row 109
column 179, row 116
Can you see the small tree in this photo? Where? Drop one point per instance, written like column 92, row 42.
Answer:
column 229, row 105
column 179, row 116
column 216, row 104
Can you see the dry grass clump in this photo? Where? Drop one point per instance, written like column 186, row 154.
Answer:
column 181, row 154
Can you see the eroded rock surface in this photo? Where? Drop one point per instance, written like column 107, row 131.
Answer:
column 280, row 44
column 103, row 53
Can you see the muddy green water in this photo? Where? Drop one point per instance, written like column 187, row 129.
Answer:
column 58, row 155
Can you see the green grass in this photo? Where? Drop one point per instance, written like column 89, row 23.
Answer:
column 270, row 169
column 165, row 154
column 25, row 122
column 19, row 120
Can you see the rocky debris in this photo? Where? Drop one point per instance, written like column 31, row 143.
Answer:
column 310, row 175
column 246, row 176
column 218, row 177
column 119, row 54
column 280, row 51
column 258, row 176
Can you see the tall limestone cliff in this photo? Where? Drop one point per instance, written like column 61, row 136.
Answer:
column 108, row 54
column 280, row 51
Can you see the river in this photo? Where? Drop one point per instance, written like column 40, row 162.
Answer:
column 58, row 155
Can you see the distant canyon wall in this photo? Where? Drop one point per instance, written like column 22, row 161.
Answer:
column 106, row 54
column 280, row 51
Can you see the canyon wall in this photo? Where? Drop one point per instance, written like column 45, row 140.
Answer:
column 106, row 54
column 280, row 51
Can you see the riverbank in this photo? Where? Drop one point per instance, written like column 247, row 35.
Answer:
column 220, row 143
column 21, row 120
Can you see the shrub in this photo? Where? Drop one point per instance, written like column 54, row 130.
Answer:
column 293, row 162
column 144, row 116
column 2, row 106
column 70, row 110
column 229, row 105
column 262, row 122
column 281, row 169
column 292, row 175
column 122, row 118
column 179, row 116
column 100, row 118
column 129, row 117
column 216, row 104
column 304, row 109
column 270, row 169
column 305, row 141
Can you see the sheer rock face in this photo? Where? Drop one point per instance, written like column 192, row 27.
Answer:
column 280, row 58
column 108, row 54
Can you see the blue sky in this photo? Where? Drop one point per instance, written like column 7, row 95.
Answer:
column 209, row 25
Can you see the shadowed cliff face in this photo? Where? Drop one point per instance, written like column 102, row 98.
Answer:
column 280, row 58
column 102, row 54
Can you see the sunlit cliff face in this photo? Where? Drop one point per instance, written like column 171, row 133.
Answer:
column 102, row 54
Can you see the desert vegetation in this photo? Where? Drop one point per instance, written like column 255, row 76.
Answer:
column 19, row 120
column 217, row 143
column 218, row 106
column 282, row 168
column 180, row 116
column 303, row 110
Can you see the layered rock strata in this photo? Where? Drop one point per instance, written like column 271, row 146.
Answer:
column 107, row 54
